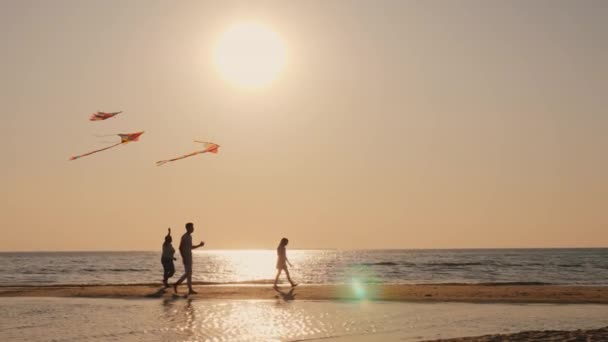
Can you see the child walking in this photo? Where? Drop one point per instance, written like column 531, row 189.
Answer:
column 282, row 262
column 167, row 259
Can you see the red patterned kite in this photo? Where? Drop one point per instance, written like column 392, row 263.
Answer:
column 209, row 147
column 124, row 139
column 103, row 115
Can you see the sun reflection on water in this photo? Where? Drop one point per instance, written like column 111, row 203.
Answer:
column 245, row 265
column 250, row 265
column 251, row 320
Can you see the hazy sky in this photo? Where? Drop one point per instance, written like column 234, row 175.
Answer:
column 394, row 124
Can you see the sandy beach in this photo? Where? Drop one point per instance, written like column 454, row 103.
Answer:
column 419, row 293
column 546, row 335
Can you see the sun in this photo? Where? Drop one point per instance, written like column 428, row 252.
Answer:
column 250, row 55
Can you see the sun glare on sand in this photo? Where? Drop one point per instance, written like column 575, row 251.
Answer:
column 250, row 55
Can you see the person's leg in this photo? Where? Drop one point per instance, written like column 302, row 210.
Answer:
column 171, row 269
column 169, row 272
column 189, row 278
column 179, row 281
column 183, row 277
column 165, row 278
column 165, row 272
column 276, row 279
column 289, row 278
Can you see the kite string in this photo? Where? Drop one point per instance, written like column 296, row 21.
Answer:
column 99, row 150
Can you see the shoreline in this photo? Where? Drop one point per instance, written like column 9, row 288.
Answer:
column 478, row 293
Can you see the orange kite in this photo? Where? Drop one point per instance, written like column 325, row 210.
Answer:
column 209, row 147
column 103, row 115
column 124, row 139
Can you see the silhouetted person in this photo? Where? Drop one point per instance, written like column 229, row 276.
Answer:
column 185, row 249
column 282, row 262
column 167, row 259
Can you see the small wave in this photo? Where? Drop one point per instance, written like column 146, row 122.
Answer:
column 525, row 264
column 570, row 265
column 251, row 282
column 127, row 270
column 505, row 283
column 28, row 272
column 91, row 270
column 381, row 263
column 457, row 264
column 515, row 283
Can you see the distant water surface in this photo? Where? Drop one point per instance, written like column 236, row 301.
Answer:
column 552, row 266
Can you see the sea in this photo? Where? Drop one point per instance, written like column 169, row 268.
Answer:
column 405, row 266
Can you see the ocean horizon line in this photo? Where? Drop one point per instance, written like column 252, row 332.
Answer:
column 304, row 249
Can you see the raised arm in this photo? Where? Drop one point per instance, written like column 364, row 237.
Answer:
column 199, row 245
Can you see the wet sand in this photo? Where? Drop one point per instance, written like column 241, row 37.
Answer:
column 417, row 293
column 592, row 335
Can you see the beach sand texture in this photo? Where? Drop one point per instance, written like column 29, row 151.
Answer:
column 385, row 292
column 592, row 335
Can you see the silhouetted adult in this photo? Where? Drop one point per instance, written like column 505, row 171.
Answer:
column 185, row 249
column 282, row 262
column 167, row 259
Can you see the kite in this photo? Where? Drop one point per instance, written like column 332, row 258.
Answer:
column 209, row 147
column 99, row 116
column 124, row 139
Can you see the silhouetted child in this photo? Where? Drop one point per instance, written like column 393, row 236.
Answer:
column 282, row 262
column 167, row 259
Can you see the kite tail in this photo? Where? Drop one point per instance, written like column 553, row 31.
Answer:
column 89, row 153
column 162, row 162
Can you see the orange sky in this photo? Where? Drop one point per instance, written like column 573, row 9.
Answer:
column 394, row 124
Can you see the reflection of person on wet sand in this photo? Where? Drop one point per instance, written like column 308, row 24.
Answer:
column 185, row 249
column 167, row 259
column 285, row 296
column 181, row 317
column 282, row 262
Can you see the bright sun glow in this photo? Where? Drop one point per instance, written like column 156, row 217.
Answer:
column 250, row 55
